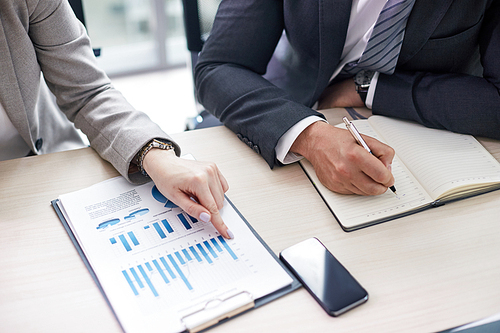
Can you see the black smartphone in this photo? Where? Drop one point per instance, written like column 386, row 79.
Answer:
column 324, row 277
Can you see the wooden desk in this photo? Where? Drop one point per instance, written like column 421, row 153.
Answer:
column 426, row 272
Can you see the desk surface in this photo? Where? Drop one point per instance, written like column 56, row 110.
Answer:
column 426, row 272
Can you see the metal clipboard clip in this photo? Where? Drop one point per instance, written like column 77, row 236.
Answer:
column 218, row 308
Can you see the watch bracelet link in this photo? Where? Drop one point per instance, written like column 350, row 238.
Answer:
column 155, row 143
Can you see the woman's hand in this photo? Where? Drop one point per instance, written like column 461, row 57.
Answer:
column 182, row 180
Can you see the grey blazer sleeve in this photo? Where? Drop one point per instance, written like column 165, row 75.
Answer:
column 84, row 93
column 229, row 73
column 436, row 89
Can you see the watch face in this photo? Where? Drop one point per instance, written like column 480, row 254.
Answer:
column 162, row 145
column 364, row 77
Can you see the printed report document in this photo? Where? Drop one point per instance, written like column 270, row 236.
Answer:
column 162, row 270
column 431, row 167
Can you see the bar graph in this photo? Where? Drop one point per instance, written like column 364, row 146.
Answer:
column 124, row 241
column 186, row 254
column 196, row 255
column 204, row 253
column 226, row 246
column 187, row 220
column 162, row 229
column 167, row 226
column 156, row 263
column 159, row 230
column 184, row 221
column 181, row 260
column 179, row 271
column 133, row 238
column 172, row 268
column 212, row 252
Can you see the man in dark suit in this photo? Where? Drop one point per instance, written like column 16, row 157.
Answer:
column 267, row 64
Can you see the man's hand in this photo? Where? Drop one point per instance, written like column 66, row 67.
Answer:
column 340, row 95
column 180, row 180
column 341, row 164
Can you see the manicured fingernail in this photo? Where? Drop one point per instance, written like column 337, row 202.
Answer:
column 230, row 234
column 205, row 217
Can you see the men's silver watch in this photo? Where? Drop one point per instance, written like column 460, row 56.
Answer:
column 362, row 81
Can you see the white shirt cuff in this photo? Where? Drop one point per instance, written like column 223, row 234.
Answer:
column 371, row 91
column 283, row 153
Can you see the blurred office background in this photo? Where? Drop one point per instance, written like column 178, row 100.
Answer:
column 143, row 50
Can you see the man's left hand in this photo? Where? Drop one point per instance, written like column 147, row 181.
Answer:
column 340, row 95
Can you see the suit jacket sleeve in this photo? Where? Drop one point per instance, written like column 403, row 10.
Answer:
column 84, row 93
column 457, row 102
column 229, row 73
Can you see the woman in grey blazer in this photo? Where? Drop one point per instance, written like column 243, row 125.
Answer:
column 42, row 44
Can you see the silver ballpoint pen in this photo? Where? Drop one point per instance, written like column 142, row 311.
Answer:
column 359, row 139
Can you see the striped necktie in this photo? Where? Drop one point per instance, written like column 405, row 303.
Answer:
column 382, row 51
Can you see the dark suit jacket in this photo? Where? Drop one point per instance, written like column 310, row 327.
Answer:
column 447, row 76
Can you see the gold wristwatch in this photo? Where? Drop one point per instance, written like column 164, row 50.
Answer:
column 155, row 143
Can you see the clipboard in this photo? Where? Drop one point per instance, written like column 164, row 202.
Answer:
column 213, row 312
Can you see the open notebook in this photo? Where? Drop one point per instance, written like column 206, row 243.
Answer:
column 431, row 167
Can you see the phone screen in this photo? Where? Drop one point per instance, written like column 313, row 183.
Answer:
column 324, row 277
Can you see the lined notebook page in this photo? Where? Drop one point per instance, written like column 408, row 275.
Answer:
column 439, row 159
column 354, row 210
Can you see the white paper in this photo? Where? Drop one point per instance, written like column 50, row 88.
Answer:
column 155, row 263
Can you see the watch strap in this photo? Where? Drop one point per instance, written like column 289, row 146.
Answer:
column 362, row 82
column 155, row 143
column 363, row 94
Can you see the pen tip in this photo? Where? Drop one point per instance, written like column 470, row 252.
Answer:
column 393, row 189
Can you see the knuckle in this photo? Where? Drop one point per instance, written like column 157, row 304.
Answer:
column 332, row 183
column 209, row 168
column 212, row 167
column 212, row 208
column 191, row 209
column 383, row 176
column 352, row 155
column 379, row 176
column 375, row 189
column 343, row 170
column 199, row 177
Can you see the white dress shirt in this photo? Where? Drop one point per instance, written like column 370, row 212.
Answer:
column 364, row 15
column 12, row 145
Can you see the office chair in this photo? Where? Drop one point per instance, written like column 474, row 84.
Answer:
column 198, row 19
column 77, row 7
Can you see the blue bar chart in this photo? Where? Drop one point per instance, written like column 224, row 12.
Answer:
column 157, row 264
column 124, row 241
column 196, row 255
column 133, row 238
column 181, row 260
column 167, row 226
column 186, row 254
column 159, row 230
column 162, row 229
column 184, row 221
column 171, row 268
column 226, row 246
